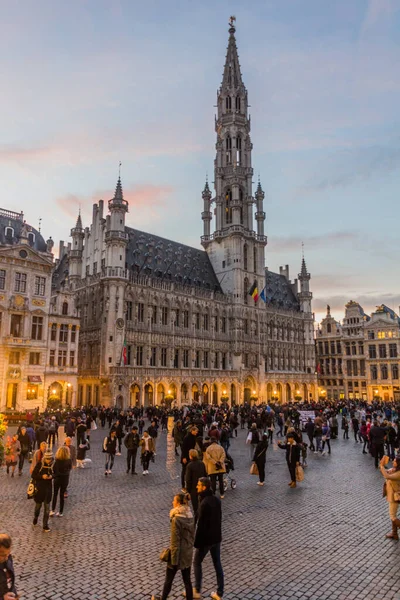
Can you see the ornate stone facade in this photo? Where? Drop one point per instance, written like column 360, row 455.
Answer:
column 359, row 359
column 30, row 373
column 163, row 322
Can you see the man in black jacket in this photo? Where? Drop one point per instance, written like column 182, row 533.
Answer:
column 208, row 537
column 7, row 577
column 194, row 471
column 377, row 436
column 131, row 442
column 189, row 442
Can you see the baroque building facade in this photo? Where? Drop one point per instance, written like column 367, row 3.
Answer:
column 359, row 359
column 33, row 368
column 162, row 322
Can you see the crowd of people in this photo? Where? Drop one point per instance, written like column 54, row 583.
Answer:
column 202, row 436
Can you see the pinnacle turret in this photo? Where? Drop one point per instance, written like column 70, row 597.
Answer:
column 303, row 273
column 118, row 196
column 79, row 221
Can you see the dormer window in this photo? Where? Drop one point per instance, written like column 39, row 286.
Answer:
column 65, row 308
column 31, row 238
column 9, row 232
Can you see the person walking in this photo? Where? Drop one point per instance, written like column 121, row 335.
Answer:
column 110, row 448
column 153, row 432
column 377, row 435
column 12, row 451
column 72, row 452
column 80, row 431
column 292, row 456
column 345, row 427
column 178, row 434
column 392, row 479
column 147, row 451
column 214, row 460
column 208, row 538
column 260, row 457
column 26, row 447
column 52, row 432
column 61, row 469
column 326, row 438
column 181, row 546
column 43, row 476
column 131, row 443
column 310, row 433
column 195, row 469
column 189, row 443
column 83, row 447
column 8, row 591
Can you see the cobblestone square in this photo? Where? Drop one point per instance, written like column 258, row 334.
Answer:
column 323, row 540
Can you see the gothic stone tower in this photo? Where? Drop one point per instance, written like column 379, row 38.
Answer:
column 235, row 250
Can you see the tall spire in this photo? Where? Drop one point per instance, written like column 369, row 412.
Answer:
column 232, row 77
column 79, row 221
column 118, row 196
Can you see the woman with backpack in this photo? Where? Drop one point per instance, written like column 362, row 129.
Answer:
column 110, row 448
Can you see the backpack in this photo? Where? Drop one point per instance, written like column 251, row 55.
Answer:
column 52, row 427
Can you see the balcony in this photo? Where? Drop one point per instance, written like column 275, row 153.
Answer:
column 114, row 272
column 116, row 235
column 170, row 373
column 11, row 340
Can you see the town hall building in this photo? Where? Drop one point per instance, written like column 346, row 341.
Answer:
column 164, row 323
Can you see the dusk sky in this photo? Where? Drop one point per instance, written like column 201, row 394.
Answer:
column 89, row 83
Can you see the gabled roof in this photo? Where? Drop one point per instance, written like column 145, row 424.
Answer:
column 158, row 257
column 279, row 293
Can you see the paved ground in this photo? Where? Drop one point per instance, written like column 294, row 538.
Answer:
column 321, row 541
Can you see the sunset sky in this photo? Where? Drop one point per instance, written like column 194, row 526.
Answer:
column 89, row 83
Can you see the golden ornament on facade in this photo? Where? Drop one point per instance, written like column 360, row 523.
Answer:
column 36, row 302
column 19, row 301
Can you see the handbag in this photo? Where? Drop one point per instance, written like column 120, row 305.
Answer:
column 254, row 469
column 93, row 426
column 32, row 489
column 384, row 490
column 165, row 555
column 299, row 473
column 324, row 438
column 249, row 437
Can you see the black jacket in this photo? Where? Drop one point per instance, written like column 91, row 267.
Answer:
column 194, row 470
column 7, row 567
column 261, row 451
column 131, row 441
column 25, row 442
column 44, row 487
column 377, row 435
column 209, row 524
column 110, row 445
column 189, row 442
column 41, row 434
column 292, row 452
column 61, row 469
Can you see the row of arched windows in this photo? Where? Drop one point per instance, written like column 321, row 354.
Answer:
column 235, row 156
column 228, row 103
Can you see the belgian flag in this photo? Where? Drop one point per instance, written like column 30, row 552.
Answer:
column 253, row 292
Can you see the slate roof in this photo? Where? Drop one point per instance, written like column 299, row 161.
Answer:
column 16, row 221
column 155, row 256
column 279, row 293
column 60, row 273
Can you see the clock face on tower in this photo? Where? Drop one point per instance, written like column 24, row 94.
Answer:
column 120, row 323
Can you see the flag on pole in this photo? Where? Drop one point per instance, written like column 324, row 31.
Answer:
column 254, row 292
column 263, row 296
column 124, row 354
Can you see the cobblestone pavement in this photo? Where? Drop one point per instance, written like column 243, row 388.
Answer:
column 323, row 540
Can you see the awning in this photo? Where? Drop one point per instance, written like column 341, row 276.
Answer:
column 34, row 379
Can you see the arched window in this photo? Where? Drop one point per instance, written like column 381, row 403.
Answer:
column 228, row 207
column 255, row 260
column 228, row 143
column 246, row 290
column 329, row 328
column 238, row 150
column 65, row 308
column 9, row 232
column 228, row 103
column 245, row 257
column 237, row 103
column 31, row 238
column 241, row 206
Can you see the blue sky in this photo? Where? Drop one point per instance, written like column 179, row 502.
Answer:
column 86, row 84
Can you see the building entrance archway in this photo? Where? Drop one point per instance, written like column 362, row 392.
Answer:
column 148, row 395
column 135, row 395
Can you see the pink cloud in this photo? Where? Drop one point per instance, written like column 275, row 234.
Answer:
column 145, row 196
